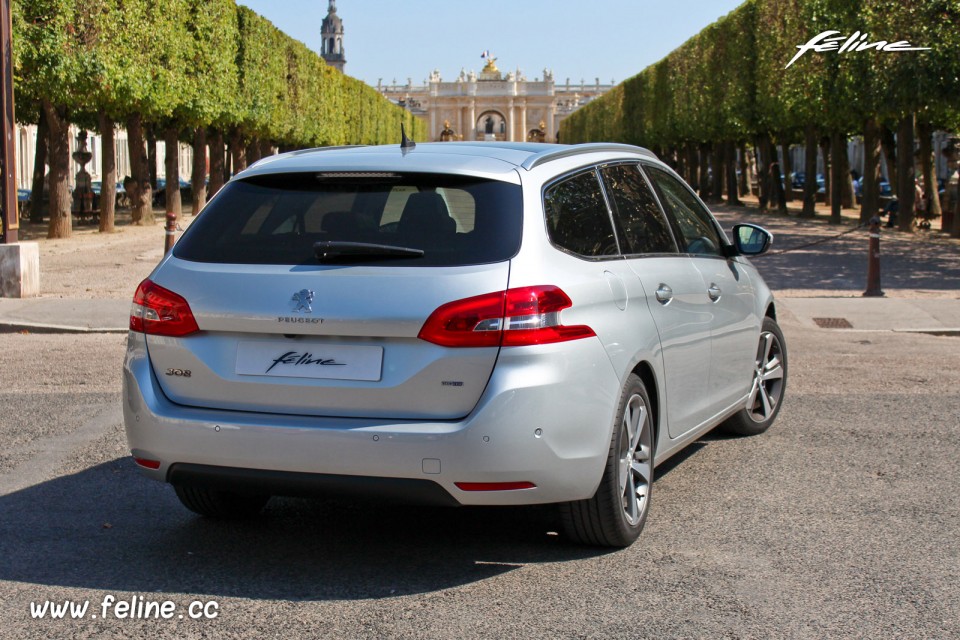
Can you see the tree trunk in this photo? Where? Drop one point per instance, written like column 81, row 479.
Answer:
column 253, row 151
column 745, row 179
column 905, row 174
column 61, row 223
column 216, row 161
column 238, row 152
column 152, row 157
column 704, row 179
column 870, row 200
column 138, row 186
column 266, row 148
column 171, row 143
column 777, row 194
column 198, row 173
column 37, row 209
column 762, row 154
column 108, row 175
column 837, row 151
column 716, row 161
column 889, row 145
column 787, row 172
column 827, row 163
column 929, row 168
column 693, row 166
column 733, row 191
column 847, row 196
column 810, row 171
column 681, row 162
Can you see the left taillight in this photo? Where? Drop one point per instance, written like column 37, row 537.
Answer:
column 513, row 318
column 161, row 312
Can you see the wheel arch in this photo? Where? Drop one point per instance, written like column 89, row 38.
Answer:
column 771, row 311
column 645, row 372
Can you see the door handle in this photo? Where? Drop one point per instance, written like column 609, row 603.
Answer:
column 714, row 291
column 664, row 294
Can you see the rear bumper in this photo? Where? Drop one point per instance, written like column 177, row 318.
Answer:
column 544, row 418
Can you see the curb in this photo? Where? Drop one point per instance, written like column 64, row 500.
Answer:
column 34, row 327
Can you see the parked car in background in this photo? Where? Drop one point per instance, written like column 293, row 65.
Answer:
column 450, row 323
column 160, row 193
column 799, row 179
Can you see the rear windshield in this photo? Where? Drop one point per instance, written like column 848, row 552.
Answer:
column 277, row 219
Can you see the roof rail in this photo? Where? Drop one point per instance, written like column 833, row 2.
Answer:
column 299, row 152
column 578, row 149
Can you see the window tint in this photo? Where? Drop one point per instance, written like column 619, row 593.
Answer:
column 276, row 219
column 699, row 234
column 577, row 217
column 642, row 226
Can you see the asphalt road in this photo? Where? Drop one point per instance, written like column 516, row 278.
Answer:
column 841, row 521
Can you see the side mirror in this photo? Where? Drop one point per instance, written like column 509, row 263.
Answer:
column 751, row 240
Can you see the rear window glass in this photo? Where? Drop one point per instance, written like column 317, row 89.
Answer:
column 277, row 219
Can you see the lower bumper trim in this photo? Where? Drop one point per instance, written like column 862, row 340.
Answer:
column 310, row 485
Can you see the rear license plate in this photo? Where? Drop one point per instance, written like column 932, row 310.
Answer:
column 336, row 362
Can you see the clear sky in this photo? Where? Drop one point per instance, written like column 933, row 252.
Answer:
column 576, row 39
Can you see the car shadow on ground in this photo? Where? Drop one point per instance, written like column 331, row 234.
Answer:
column 109, row 528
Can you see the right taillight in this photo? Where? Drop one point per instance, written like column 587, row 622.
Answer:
column 161, row 312
column 512, row 318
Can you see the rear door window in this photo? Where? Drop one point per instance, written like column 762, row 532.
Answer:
column 276, row 219
column 577, row 217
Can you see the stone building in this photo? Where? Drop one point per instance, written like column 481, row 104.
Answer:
column 492, row 105
column 331, row 39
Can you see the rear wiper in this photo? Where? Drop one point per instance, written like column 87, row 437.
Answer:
column 336, row 251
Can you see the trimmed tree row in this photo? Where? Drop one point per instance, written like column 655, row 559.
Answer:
column 729, row 87
column 203, row 72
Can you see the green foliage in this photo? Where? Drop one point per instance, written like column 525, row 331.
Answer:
column 190, row 63
column 729, row 82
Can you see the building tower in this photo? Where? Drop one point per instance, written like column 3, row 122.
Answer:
column 331, row 34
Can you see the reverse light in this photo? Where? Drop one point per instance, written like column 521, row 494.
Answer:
column 160, row 312
column 513, row 318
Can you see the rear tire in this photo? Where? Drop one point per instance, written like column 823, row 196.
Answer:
column 220, row 504
column 769, row 384
column 616, row 513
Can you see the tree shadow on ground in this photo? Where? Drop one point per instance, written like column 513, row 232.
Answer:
column 839, row 262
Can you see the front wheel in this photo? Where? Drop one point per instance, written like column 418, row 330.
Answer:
column 769, row 384
column 616, row 513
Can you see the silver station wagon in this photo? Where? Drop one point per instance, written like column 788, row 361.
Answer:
column 450, row 323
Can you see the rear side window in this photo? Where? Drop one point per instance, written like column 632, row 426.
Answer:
column 643, row 229
column 277, row 219
column 577, row 217
column 700, row 235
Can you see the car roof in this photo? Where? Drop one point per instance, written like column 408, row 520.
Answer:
column 496, row 160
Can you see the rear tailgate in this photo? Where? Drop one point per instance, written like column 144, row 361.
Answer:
column 354, row 353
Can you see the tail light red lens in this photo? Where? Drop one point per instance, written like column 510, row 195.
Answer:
column 161, row 312
column 147, row 464
column 513, row 318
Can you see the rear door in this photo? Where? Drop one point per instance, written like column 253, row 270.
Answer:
column 726, row 289
column 283, row 332
column 673, row 292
